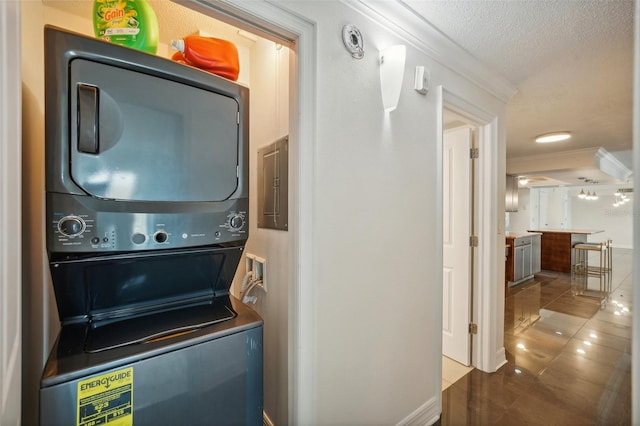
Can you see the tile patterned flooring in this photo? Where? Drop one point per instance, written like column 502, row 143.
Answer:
column 452, row 371
column 568, row 360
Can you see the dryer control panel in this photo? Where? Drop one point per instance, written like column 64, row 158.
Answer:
column 74, row 227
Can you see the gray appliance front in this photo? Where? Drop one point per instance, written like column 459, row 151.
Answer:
column 216, row 382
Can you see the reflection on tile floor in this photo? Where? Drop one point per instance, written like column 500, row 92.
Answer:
column 568, row 360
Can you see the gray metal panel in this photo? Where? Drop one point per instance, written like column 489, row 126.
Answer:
column 215, row 382
column 273, row 185
column 114, row 226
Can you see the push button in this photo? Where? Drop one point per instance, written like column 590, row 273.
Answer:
column 138, row 238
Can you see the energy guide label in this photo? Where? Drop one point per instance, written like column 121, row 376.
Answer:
column 106, row 399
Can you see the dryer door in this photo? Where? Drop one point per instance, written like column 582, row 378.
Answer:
column 138, row 137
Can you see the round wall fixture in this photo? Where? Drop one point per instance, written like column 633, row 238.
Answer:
column 353, row 41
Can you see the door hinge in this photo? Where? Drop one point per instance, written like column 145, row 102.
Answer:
column 473, row 328
column 473, row 241
column 474, row 153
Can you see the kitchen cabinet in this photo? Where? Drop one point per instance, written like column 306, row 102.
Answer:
column 523, row 259
column 536, row 265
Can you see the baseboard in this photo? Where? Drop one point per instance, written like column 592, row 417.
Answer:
column 427, row 414
column 501, row 358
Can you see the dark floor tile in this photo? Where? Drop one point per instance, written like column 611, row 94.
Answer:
column 530, row 409
column 568, row 360
column 482, row 398
column 610, row 315
column 619, row 330
column 604, row 339
column 575, row 364
column 594, row 351
column 590, row 399
column 584, row 307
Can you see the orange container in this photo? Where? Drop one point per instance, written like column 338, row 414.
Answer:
column 210, row 54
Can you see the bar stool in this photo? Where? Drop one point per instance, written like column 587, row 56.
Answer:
column 581, row 271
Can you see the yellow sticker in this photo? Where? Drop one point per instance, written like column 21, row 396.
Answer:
column 106, row 399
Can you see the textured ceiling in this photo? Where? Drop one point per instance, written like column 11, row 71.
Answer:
column 570, row 60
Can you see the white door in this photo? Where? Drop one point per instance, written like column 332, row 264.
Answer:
column 456, row 221
column 10, row 187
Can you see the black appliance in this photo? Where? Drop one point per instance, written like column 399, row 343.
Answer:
column 146, row 221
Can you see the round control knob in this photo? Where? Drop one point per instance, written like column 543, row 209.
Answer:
column 236, row 222
column 71, row 226
column 160, row 237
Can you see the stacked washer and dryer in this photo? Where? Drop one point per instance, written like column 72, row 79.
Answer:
column 146, row 221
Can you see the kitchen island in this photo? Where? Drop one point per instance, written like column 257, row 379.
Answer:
column 556, row 247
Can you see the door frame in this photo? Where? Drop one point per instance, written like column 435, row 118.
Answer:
column 10, row 215
column 487, row 347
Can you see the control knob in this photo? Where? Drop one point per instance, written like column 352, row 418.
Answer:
column 236, row 222
column 71, row 226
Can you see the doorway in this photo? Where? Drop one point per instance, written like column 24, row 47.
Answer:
column 458, row 227
column 279, row 27
column 457, row 237
column 485, row 319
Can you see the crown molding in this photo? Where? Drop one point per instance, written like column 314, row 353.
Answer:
column 407, row 24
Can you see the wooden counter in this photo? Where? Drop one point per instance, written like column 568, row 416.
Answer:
column 556, row 247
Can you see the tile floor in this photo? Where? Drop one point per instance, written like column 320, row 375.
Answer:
column 452, row 371
column 568, row 360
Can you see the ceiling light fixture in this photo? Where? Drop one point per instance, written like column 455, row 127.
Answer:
column 621, row 197
column 582, row 194
column 522, row 180
column 553, row 137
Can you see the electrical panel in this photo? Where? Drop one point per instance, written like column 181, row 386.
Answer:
column 273, row 185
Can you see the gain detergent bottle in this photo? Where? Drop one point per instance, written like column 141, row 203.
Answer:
column 130, row 23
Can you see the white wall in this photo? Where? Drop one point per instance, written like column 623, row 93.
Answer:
column 600, row 214
column 616, row 222
column 10, row 217
column 377, row 269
